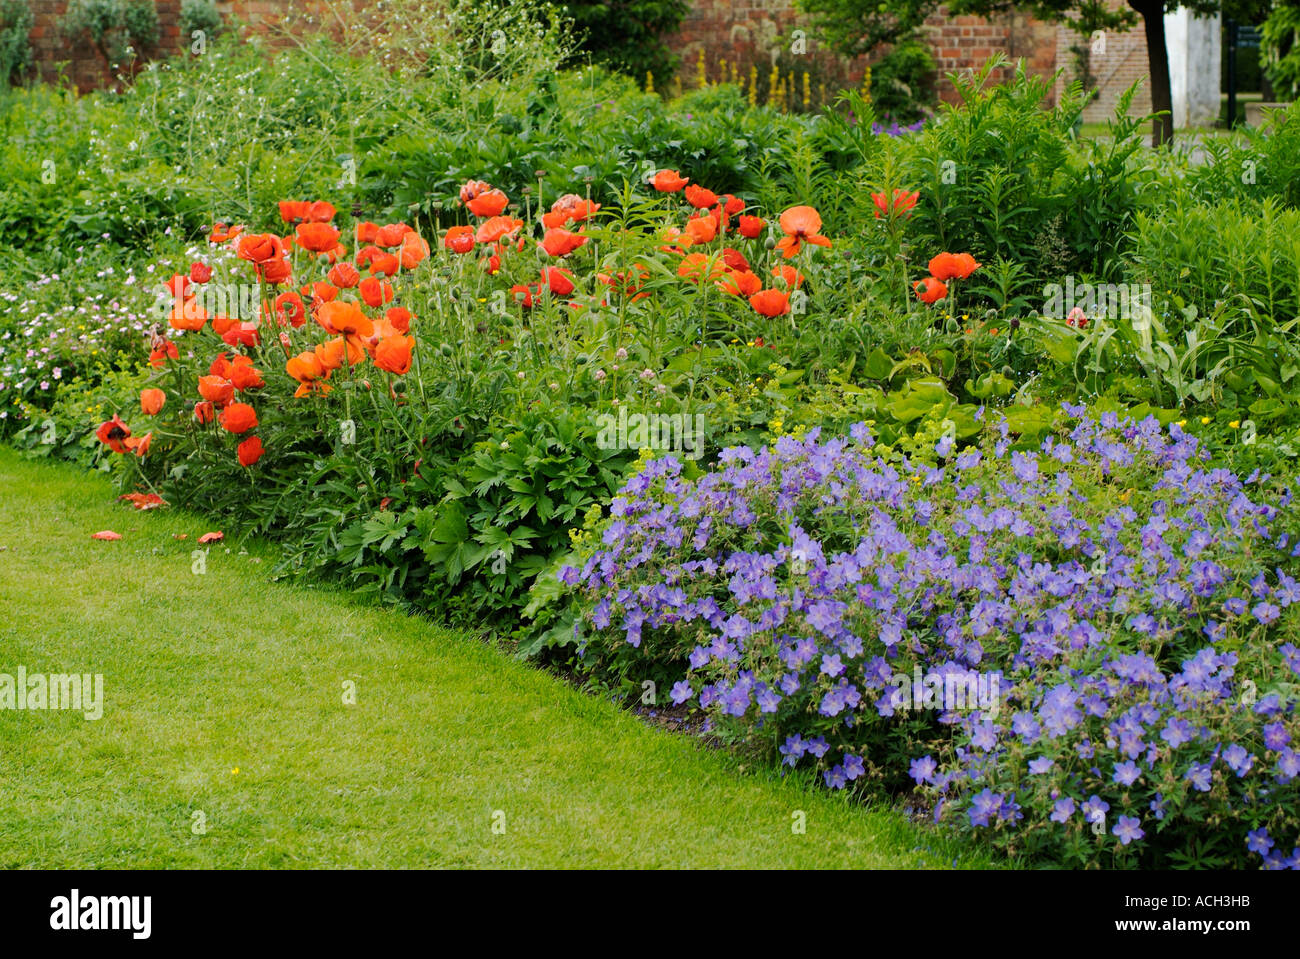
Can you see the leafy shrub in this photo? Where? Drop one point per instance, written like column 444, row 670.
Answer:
column 628, row 37
column 902, row 82
column 201, row 15
column 15, row 41
column 1120, row 613
column 1279, row 49
column 118, row 29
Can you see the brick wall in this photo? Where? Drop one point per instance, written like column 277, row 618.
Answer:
column 731, row 34
column 80, row 62
column 761, row 31
column 1115, row 63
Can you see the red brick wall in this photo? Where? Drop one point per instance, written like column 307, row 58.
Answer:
column 83, row 64
column 740, row 32
column 748, row 31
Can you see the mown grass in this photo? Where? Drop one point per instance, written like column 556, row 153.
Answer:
column 224, row 695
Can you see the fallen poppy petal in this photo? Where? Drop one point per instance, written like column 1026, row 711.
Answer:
column 105, row 534
column 212, row 537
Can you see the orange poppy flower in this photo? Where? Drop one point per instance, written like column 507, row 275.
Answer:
column 317, row 237
column 260, row 247
column 179, row 286
column 204, row 412
column 902, row 202
column 951, row 266
column 331, row 352
column 321, row 212
column 221, row 366
column 274, row 271
column 344, row 276
column 740, row 283
column 393, row 354
column 558, row 279
column 375, row 292
column 414, row 250
column 731, row 205
column 569, row 207
column 379, row 261
column 249, row 451
column 307, row 369
column 668, row 181
column 187, row 315
column 143, row 501
column 771, row 302
column 290, row 309
column 200, row 272
column 734, row 259
column 930, row 290
column 164, row 351
column 151, row 401
column 244, row 375
column 113, row 434
column 751, row 227
column 459, row 239
column 320, row 293
column 340, row 317
column 365, row 232
column 695, row 266
column 216, row 389
column 473, row 188
column 139, row 445
column 800, row 224
column 491, row 203
column 400, row 318
column 490, row 231
column 391, row 234
column 220, row 233
column 700, row 198
column 701, row 229
column 243, row 334
column 238, row 418
column 293, row 211
column 675, row 236
column 791, row 276
column 561, row 242
column 525, row 294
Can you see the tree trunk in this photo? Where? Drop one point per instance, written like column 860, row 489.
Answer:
column 1162, row 101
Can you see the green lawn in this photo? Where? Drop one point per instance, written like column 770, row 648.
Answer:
column 223, row 694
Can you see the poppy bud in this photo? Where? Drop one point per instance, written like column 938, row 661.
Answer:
column 769, row 243
column 1015, row 323
column 445, row 349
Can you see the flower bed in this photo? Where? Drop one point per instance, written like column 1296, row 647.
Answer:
column 1085, row 651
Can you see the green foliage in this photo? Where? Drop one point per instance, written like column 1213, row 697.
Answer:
column 201, row 15
column 627, row 36
column 15, row 43
column 118, row 29
column 902, row 82
column 1279, row 48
